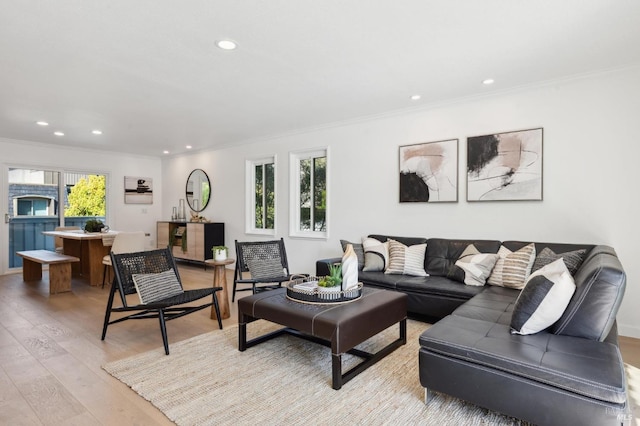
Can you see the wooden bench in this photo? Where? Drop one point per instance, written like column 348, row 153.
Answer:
column 59, row 268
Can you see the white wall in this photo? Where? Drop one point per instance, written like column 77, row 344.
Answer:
column 120, row 216
column 590, row 172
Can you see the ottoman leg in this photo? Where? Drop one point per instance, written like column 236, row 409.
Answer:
column 336, row 371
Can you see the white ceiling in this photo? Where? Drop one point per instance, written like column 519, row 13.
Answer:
column 147, row 72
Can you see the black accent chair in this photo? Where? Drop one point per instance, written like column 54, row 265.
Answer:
column 150, row 262
column 265, row 261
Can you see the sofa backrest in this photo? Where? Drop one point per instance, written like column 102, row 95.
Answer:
column 407, row 241
column 556, row 247
column 442, row 253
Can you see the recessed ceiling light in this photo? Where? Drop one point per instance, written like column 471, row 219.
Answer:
column 42, row 123
column 415, row 97
column 226, row 44
column 58, row 133
column 488, row 81
column 188, row 147
column 97, row 132
column 165, row 152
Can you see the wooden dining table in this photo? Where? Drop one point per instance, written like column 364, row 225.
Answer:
column 88, row 247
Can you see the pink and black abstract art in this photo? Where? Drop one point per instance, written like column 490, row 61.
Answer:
column 429, row 172
column 505, row 166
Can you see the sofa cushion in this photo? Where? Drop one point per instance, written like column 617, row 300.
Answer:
column 376, row 255
column 543, row 299
column 442, row 254
column 513, row 267
column 379, row 279
column 473, row 267
column 573, row 259
column 584, row 367
column 407, row 260
column 437, row 286
column 600, row 286
column 357, row 247
column 492, row 304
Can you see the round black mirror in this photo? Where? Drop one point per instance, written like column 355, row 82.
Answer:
column 198, row 190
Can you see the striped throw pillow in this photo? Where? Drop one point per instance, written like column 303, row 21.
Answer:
column 513, row 268
column 154, row 287
column 407, row 260
column 266, row 269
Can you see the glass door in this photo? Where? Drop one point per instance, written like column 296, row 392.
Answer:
column 41, row 200
column 33, row 206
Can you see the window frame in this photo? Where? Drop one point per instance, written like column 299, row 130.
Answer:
column 250, row 192
column 295, row 157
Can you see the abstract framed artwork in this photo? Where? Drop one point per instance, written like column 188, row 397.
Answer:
column 429, row 172
column 505, row 166
column 138, row 190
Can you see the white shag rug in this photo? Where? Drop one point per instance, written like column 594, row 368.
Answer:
column 287, row 381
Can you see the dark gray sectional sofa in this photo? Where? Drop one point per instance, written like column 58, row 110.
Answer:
column 570, row 373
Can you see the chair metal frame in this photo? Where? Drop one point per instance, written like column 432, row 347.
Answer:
column 146, row 262
column 263, row 250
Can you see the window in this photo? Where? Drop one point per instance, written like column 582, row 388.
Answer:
column 308, row 180
column 35, row 206
column 261, row 196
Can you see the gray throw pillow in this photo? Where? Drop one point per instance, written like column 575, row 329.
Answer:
column 573, row 259
column 154, row 287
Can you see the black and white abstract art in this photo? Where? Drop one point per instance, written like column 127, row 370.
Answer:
column 429, row 172
column 505, row 166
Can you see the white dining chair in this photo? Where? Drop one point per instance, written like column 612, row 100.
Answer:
column 124, row 242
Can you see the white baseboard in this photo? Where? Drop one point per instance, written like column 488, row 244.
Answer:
column 629, row 330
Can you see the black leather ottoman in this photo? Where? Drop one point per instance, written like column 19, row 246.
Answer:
column 339, row 326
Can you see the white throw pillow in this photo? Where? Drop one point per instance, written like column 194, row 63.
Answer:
column 543, row 299
column 376, row 255
column 473, row 267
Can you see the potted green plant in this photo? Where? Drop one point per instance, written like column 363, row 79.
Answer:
column 332, row 283
column 93, row 225
column 220, row 252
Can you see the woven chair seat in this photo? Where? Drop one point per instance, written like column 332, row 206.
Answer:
column 187, row 297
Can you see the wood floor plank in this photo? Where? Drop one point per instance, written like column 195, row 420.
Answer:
column 51, row 401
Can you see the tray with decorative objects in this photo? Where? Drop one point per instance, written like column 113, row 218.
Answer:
column 306, row 289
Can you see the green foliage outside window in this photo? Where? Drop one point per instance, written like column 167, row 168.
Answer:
column 87, row 197
column 313, row 203
column 265, row 196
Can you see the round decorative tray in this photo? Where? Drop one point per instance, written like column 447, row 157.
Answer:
column 306, row 290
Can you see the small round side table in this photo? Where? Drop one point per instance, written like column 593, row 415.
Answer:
column 220, row 280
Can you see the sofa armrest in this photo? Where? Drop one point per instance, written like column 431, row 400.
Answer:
column 322, row 265
column 600, row 286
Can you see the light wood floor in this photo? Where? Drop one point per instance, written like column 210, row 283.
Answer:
column 51, row 353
